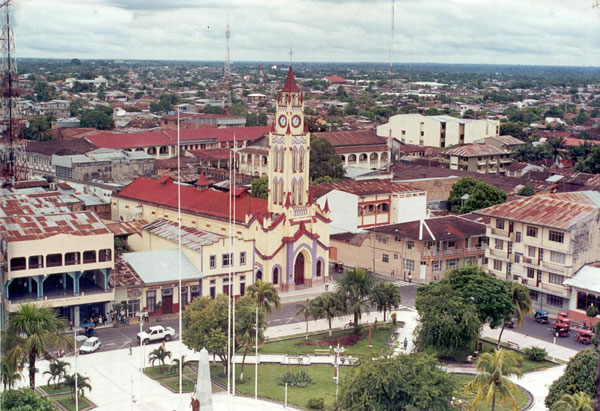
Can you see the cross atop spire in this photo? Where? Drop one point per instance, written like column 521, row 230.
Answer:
column 291, row 53
column 290, row 83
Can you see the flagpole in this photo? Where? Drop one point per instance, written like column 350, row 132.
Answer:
column 229, row 293
column 234, row 258
column 179, row 257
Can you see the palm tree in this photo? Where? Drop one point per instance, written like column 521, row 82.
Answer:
column 492, row 382
column 265, row 295
column 385, row 297
column 354, row 289
column 246, row 330
column 83, row 383
column 577, row 402
column 57, row 370
column 304, row 310
column 32, row 331
column 184, row 363
column 522, row 305
column 328, row 306
column 159, row 354
column 10, row 373
column 556, row 147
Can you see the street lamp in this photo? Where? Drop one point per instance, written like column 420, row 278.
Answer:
column 336, row 377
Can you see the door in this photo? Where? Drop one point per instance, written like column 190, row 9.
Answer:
column 423, row 270
column 299, row 270
column 167, row 304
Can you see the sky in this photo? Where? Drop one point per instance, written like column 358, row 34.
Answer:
column 545, row 32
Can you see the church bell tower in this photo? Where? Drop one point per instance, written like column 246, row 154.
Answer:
column 289, row 146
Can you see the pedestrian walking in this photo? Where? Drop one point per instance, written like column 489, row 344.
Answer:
column 409, row 277
column 130, row 350
column 326, row 286
column 405, row 343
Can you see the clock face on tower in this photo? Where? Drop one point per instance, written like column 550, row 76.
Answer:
column 295, row 121
column 282, row 121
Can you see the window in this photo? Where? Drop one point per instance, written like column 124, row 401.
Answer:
column 518, row 257
column 194, row 292
column 499, row 244
column 437, row 266
column 554, row 300
column 382, row 239
column 497, row 265
column 319, row 268
column 72, row 258
column 395, row 256
column 517, row 236
column 410, row 245
column 500, row 224
column 409, row 265
column 451, row 263
column 184, row 296
column 212, row 291
column 541, row 255
column 17, row 263
column 213, row 261
column 533, row 295
column 53, row 260
column 151, row 301
column 557, row 257
column 531, row 251
column 36, row 261
column 227, row 260
column 532, row 231
column 530, row 272
column 385, row 258
column 104, row 255
column 397, row 238
column 509, row 268
column 89, row 256
column 243, row 258
column 452, row 244
column 556, row 236
column 556, row 279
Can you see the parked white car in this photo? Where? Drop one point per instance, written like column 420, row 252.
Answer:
column 156, row 333
column 90, row 345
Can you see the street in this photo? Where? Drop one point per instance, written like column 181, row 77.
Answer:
column 121, row 337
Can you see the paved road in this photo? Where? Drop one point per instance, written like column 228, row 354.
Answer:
column 121, row 337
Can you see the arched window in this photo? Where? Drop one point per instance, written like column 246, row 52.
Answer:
column 301, row 191
column 384, row 207
column 301, row 160
column 319, row 268
column 281, row 158
column 276, row 159
column 275, row 276
column 275, row 191
column 591, row 300
column 294, row 191
column 281, row 191
column 581, row 301
column 362, row 158
column 343, row 159
column 264, row 161
column 373, row 158
column 294, row 159
column 384, row 156
column 352, row 158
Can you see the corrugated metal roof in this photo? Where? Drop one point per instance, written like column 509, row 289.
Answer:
column 361, row 187
column 161, row 266
column 352, row 138
column 442, row 228
column 475, row 150
column 191, row 237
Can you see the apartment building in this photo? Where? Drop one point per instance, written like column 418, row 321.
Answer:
column 479, row 158
column 422, row 250
column 57, row 108
column 506, row 142
column 543, row 240
column 437, row 131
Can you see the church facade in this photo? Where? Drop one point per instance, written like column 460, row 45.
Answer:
column 290, row 232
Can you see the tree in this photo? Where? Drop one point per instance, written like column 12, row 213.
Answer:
column 580, row 151
column 582, row 117
column 403, row 382
column 492, row 382
column 159, row 355
column 165, row 103
column 208, row 109
column 513, row 129
column 57, row 369
column 354, row 289
column 79, row 387
column 43, row 92
column 385, row 297
column 521, row 303
column 579, row 376
column 305, row 311
column 260, row 187
column 184, row 364
column 528, row 152
column 246, row 327
column 556, row 147
column 446, row 321
column 9, row 372
column 326, row 306
column 323, row 159
column 26, row 399
column 265, row 295
column 577, row 402
column 32, row 331
column 39, row 128
column 432, row 111
column 527, row 190
column 102, row 92
column 76, row 106
column 591, row 164
column 97, row 118
column 468, row 195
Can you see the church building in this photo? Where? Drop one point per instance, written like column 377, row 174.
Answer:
column 289, row 231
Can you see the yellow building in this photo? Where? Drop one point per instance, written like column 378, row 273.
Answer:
column 289, row 232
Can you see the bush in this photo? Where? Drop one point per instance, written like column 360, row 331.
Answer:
column 580, row 375
column 394, row 319
column 300, row 379
column 535, row 353
column 316, row 403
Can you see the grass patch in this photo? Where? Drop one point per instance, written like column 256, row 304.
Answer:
column 173, row 383
column 66, row 401
column 297, row 346
column 49, row 389
column 463, row 380
column 268, row 382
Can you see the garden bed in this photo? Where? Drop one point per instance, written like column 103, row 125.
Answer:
column 464, row 379
column 66, row 402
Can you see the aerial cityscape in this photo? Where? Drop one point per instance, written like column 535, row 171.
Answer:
column 316, row 205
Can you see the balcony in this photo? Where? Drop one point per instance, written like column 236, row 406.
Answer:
column 556, row 268
column 59, row 298
column 453, row 253
column 496, row 254
column 556, row 289
column 300, row 211
column 505, row 160
column 497, row 233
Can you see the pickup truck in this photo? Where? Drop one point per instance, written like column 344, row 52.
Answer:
column 156, row 333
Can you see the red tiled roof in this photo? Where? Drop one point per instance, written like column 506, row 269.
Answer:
column 356, row 149
column 125, row 227
column 213, row 154
column 290, row 82
column 191, row 237
column 351, row 138
column 60, row 147
column 206, row 202
column 335, row 79
column 123, row 274
column 571, row 141
column 255, row 150
column 361, row 187
column 183, row 116
column 219, row 134
column 130, row 140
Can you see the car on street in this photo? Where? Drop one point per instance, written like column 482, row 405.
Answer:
column 156, row 333
column 90, row 345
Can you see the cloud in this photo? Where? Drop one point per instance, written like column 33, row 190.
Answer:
column 554, row 32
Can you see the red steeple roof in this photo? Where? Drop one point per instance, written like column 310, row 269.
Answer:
column 290, row 83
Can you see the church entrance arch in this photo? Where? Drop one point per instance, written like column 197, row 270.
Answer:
column 301, row 266
column 258, row 275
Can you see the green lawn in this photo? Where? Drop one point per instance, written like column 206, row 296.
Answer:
column 460, row 393
column 268, row 382
column 296, row 346
column 66, row 401
column 49, row 389
column 170, row 378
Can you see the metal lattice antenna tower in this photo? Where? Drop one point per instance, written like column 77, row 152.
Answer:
column 227, row 70
column 13, row 160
